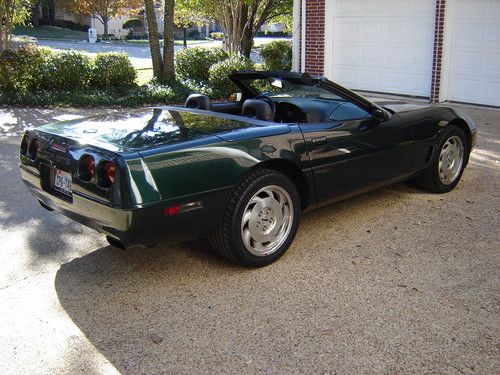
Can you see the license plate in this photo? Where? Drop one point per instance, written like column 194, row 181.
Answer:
column 62, row 182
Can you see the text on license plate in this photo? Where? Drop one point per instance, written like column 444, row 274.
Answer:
column 62, row 182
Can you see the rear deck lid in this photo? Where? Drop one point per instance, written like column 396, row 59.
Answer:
column 132, row 130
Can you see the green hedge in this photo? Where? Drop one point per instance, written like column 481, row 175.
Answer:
column 193, row 64
column 112, row 69
column 30, row 68
column 149, row 94
column 277, row 55
column 220, row 84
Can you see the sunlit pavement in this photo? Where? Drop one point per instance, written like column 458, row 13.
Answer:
column 394, row 281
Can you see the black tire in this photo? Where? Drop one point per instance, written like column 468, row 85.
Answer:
column 228, row 241
column 429, row 178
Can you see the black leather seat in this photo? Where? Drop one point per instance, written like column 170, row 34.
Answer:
column 257, row 109
column 198, row 101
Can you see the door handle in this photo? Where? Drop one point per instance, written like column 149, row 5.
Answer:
column 318, row 141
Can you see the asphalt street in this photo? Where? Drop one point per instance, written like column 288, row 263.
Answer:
column 396, row 281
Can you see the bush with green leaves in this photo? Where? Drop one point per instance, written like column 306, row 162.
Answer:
column 277, row 55
column 68, row 70
column 112, row 69
column 216, row 35
column 220, row 84
column 24, row 69
column 193, row 64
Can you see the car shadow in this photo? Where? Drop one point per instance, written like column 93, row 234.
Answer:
column 155, row 309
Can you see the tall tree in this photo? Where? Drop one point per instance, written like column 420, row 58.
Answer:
column 102, row 10
column 163, row 65
column 168, row 39
column 12, row 12
column 239, row 19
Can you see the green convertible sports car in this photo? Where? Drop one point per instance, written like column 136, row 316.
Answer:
column 239, row 172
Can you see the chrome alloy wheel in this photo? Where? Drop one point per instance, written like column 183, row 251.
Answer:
column 267, row 220
column 451, row 159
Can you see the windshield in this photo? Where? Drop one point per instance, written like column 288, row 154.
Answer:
column 283, row 88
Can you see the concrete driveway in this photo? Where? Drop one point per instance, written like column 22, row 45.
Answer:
column 394, row 281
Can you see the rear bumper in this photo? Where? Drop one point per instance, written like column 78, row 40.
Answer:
column 138, row 226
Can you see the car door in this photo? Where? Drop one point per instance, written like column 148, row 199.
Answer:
column 351, row 156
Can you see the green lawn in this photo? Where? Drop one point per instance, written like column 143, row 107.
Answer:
column 144, row 76
column 48, row 32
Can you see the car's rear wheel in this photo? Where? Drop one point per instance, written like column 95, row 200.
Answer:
column 448, row 162
column 260, row 220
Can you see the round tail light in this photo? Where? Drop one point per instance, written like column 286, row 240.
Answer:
column 108, row 173
column 25, row 144
column 34, row 148
column 87, row 167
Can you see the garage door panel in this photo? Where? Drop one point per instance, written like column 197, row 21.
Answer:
column 493, row 34
column 370, row 54
column 474, row 74
column 491, row 91
column 465, row 62
column 395, row 81
column 393, row 40
column 371, row 30
column 370, row 78
column 492, row 64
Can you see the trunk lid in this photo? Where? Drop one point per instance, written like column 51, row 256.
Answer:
column 132, row 130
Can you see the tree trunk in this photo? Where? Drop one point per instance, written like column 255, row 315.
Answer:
column 154, row 40
column 184, row 35
column 168, row 41
column 246, row 42
column 105, row 22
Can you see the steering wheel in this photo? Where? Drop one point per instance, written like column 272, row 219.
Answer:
column 268, row 100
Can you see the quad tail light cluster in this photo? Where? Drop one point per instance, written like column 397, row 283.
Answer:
column 104, row 172
column 30, row 149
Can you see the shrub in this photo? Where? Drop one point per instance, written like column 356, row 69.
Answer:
column 220, row 84
column 23, row 69
column 193, row 64
column 131, row 23
column 112, row 69
column 277, row 55
column 216, row 35
column 68, row 70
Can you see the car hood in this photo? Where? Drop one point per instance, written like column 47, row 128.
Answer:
column 398, row 106
column 150, row 127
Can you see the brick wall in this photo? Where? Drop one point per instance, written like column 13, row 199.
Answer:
column 315, row 36
column 438, row 49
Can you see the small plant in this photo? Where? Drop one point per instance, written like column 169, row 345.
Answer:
column 220, row 84
column 216, row 35
column 68, row 70
column 23, row 69
column 277, row 55
column 193, row 64
column 112, row 69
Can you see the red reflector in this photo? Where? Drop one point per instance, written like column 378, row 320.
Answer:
column 172, row 210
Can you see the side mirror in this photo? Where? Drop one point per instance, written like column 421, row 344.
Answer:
column 379, row 115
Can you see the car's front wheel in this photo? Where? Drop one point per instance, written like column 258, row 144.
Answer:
column 260, row 220
column 448, row 162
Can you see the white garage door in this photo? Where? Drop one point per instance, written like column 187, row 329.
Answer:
column 381, row 45
column 475, row 52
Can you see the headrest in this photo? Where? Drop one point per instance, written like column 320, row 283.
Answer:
column 258, row 109
column 198, row 101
